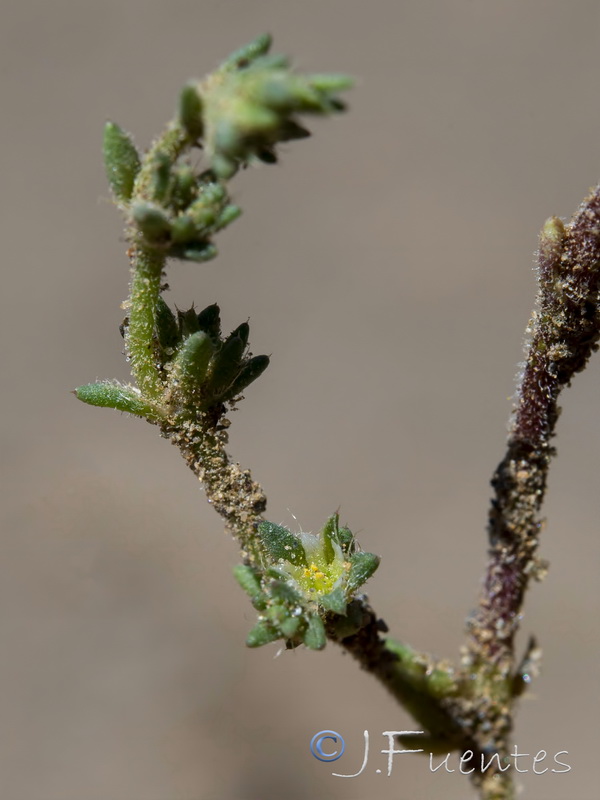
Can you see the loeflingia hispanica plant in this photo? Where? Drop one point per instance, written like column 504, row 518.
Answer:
column 307, row 588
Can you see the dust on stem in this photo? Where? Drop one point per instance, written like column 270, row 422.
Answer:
column 564, row 332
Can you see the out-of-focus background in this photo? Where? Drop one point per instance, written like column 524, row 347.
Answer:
column 386, row 265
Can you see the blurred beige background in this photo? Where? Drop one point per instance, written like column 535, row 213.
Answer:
column 387, row 266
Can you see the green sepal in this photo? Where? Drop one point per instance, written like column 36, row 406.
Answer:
column 248, row 53
column 252, row 369
column 167, row 329
column 330, row 537
column 192, row 360
column 282, row 544
column 209, row 321
column 315, row 637
column 335, row 601
column 362, row 566
column 121, row 398
column 226, row 365
column 121, row 161
column 190, row 111
column 262, row 633
column 250, row 583
column 152, row 221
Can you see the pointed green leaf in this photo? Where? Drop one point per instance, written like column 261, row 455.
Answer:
column 262, row 633
column 209, row 321
column 167, row 329
column 331, row 82
column 243, row 331
column 226, row 366
column 252, row 369
column 190, row 111
column 227, row 216
column 248, row 53
column 161, row 176
column 188, row 321
column 121, row 398
column 121, row 161
column 281, row 543
column 250, row 583
column 315, row 637
column 362, row 566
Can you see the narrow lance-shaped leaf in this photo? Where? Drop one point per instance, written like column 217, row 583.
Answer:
column 121, row 398
column 262, row 633
column 121, row 161
column 209, row 321
column 167, row 329
column 252, row 369
column 250, row 583
column 226, row 365
column 190, row 111
column 248, row 53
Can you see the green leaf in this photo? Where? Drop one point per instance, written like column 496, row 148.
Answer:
column 226, row 365
column 248, row 53
column 191, row 362
column 190, row 111
column 262, row 633
column 315, row 637
column 121, row 161
column 209, row 321
column 121, row 398
column 252, row 369
column 362, row 566
column 282, row 544
column 250, row 583
column 167, row 329
column 152, row 221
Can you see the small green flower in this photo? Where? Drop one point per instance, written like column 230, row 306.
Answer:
column 309, row 576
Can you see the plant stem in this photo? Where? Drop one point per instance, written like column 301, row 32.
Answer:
column 146, row 268
column 229, row 489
